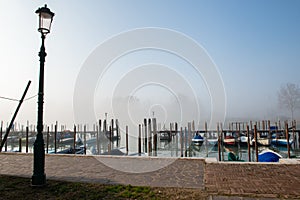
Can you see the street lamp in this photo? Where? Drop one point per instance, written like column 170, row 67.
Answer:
column 39, row 176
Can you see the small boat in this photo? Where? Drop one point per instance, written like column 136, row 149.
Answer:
column 229, row 140
column 197, row 140
column 281, row 141
column 268, row 155
column 261, row 141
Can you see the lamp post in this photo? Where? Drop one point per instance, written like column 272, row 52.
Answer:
column 39, row 176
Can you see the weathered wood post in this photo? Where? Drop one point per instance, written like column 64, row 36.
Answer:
column 110, row 140
column 55, row 137
column 99, row 135
column 47, row 139
column 186, row 141
column 269, row 132
column 20, row 144
column 206, row 139
column 219, row 142
column 112, row 129
column 248, row 137
column 139, row 141
column 117, row 131
column 84, row 138
column 74, row 139
column 181, row 142
column 189, row 140
column 154, row 136
column 287, row 138
column 150, row 138
column 256, row 146
column 127, row 148
column 222, row 142
column 176, row 138
column 146, row 136
column 27, row 130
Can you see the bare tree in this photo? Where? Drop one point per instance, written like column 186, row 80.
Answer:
column 289, row 97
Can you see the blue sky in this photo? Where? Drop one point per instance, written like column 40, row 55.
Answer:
column 255, row 45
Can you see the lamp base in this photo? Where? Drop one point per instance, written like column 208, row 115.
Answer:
column 38, row 180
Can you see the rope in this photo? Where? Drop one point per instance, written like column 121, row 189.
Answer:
column 11, row 99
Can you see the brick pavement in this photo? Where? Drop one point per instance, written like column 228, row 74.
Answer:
column 268, row 179
column 174, row 172
column 224, row 178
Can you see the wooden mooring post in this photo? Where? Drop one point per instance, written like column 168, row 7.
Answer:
column 154, row 136
column 20, row 144
column 47, row 140
column 55, row 137
column 256, row 146
column 181, row 142
column 74, row 138
column 27, row 130
column 176, row 139
column 84, row 138
column 146, row 136
column 149, row 138
column 248, row 140
column 219, row 142
column 287, row 138
column 139, row 141
column 127, row 148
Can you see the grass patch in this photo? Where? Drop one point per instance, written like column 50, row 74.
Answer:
column 20, row 188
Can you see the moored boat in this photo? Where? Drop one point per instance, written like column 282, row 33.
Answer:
column 268, row 155
column 197, row 140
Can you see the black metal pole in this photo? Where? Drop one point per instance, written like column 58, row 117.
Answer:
column 39, row 176
column 14, row 117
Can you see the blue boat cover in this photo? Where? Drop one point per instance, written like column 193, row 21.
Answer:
column 268, row 157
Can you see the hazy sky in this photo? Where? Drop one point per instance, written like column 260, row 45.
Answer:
column 254, row 44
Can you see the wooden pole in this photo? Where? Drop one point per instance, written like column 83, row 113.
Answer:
column 127, row 149
column 117, row 131
column 99, row 145
column 181, row 142
column 150, row 138
column 146, row 137
column 186, row 141
column 74, row 138
column 255, row 139
column 219, row 142
column 20, row 145
column 154, row 136
column 84, row 138
column 287, row 138
column 27, row 130
column 222, row 142
column 139, row 141
column 249, row 150
column 189, row 140
column 97, row 139
column 206, row 139
column 176, row 139
column 55, row 136
column 110, row 140
column 47, row 139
